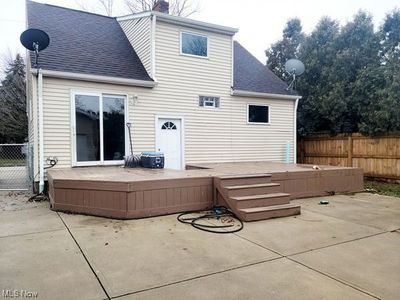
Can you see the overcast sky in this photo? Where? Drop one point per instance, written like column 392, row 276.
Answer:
column 260, row 22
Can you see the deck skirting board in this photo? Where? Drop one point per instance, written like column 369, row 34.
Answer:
column 138, row 193
column 154, row 201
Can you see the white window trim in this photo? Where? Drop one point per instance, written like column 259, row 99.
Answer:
column 101, row 162
column 157, row 132
column 211, row 107
column 258, row 123
column 192, row 55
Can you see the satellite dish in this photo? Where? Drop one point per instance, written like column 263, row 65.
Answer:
column 295, row 68
column 35, row 40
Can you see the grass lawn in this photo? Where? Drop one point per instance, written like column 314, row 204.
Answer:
column 11, row 162
column 383, row 188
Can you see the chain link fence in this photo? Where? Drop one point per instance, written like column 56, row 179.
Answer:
column 15, row 166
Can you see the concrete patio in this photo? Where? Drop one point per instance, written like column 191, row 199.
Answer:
column 348, row 249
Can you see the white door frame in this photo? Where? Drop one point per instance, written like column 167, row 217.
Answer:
column 74, row 162
column 157, row 132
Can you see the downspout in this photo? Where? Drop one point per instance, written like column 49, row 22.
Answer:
column 295, row 131
column 41, row 150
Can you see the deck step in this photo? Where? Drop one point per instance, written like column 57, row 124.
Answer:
column 253, row 189
column 269, row 212
column 241, row 179
column 261, row 200
column 251, row 186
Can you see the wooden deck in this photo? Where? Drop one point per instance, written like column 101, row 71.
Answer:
column 135, row 193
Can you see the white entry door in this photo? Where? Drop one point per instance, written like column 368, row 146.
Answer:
column 169, row 141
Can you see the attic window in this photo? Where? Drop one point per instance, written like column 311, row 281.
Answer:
column 208, row 101
column 194, row 44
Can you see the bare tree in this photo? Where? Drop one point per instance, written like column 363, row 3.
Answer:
column 105, row 6
column 183, row 8
column 108, row 6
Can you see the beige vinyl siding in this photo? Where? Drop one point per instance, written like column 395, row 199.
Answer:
column 138, row 32
column 211, row 134
column 183, row 78
column 252, row 142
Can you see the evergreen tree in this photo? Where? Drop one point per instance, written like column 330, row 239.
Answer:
column 334, row 59
column 390, row 36
column 13, row 117
column 357, row 48
column 286, row 48
column 377, row 89
column 318, row 53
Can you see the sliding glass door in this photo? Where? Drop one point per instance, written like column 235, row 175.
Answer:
column 113, row 128
column 99, row 129
column 87, row 127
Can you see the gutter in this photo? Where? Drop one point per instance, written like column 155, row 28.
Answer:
column 181, row 21
column 96, row 78
column 264, row 95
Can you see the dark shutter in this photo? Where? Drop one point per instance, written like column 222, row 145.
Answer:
column 216, row 101
column 201, row 100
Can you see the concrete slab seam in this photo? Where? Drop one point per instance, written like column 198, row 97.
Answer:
column 86, row 259
column 341, row 219
column 349, row 284
column 30, row 233
column 197, row 277
column 315, row 270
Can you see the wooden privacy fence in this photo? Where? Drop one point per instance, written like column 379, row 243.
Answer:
column 378, row 156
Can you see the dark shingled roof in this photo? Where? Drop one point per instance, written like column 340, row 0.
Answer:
column 85, row 43
column 82, row 42
column 251, row 75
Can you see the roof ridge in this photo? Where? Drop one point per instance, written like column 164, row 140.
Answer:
column 73, row 9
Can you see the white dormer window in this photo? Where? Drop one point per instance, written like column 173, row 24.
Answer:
column 194, row 44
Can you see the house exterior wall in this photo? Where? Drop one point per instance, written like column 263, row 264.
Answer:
column 138, row 32
column 211, row 134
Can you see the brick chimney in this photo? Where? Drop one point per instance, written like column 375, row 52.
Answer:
column 161, row 6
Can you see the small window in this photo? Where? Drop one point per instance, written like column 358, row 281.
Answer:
column 258, row 114
column 194, row 44
column 208, row 101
